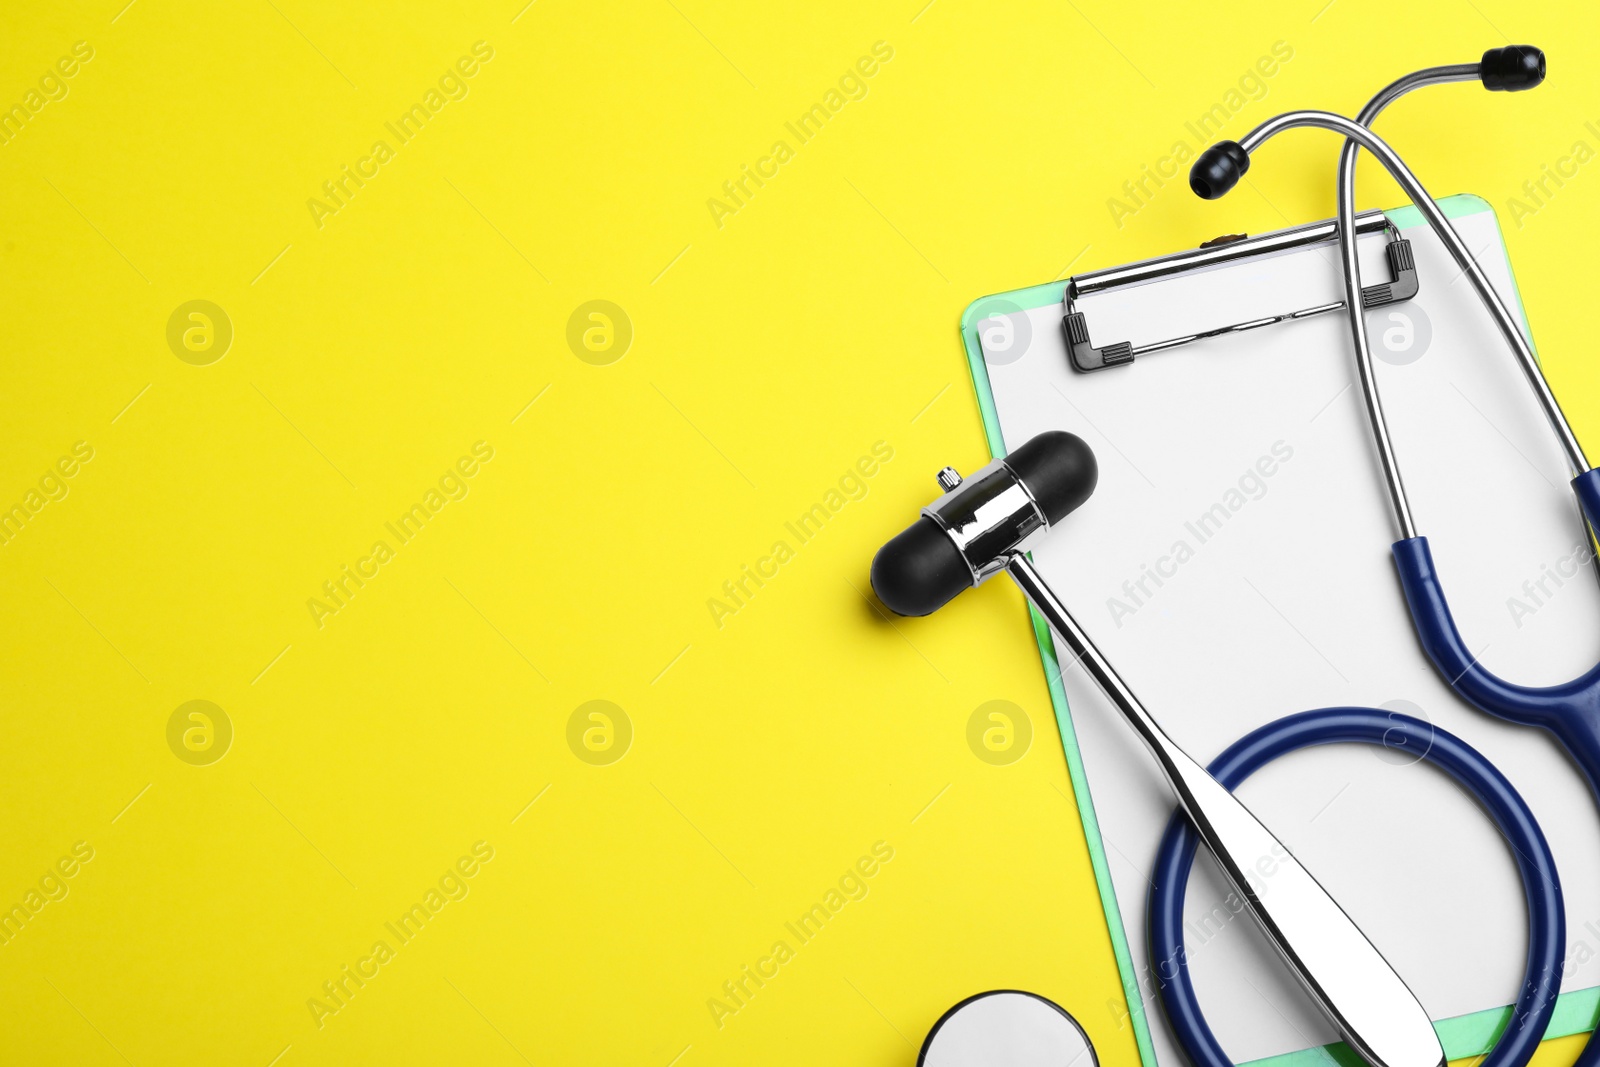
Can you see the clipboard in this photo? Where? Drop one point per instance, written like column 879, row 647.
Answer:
column 1234, row 564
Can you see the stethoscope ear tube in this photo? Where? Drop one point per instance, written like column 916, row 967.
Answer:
column 1219, row 167
column 1536, row 1002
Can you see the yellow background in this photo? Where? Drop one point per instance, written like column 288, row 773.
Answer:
column 768, row 354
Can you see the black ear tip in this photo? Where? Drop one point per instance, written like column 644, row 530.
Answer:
column 1218, row 170
column 1059, row 469
column 920, row 571
column 1512, row 68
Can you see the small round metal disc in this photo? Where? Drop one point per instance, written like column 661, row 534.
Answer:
column 1007, row 1028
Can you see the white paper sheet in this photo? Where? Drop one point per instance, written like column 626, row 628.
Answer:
column 1285, row 599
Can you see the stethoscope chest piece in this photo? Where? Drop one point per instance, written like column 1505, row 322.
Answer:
column 1007, row 1028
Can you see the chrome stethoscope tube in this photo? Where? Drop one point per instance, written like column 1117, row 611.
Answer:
column 1352, row 276
column 1509, row 329
column 1358, row 327
column 1359, row 136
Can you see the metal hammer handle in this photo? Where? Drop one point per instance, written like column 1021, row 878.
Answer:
column 1369, row 1003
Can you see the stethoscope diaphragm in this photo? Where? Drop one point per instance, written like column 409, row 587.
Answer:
column 1007, row 1028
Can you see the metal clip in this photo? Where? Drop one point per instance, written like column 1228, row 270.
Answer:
column 1086, row 356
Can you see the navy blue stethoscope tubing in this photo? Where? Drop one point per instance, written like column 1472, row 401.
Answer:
column 1546, row 912
column 1570, row 711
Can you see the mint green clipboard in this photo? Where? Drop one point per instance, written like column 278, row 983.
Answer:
column 1464, row 1035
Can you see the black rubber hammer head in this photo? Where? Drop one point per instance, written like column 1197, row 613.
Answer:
column 966, row 536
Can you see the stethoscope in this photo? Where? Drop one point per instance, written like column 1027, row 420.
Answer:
column 1571, row 711
column 975, row 530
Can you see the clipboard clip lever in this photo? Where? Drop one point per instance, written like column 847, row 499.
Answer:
column 1086, row 356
